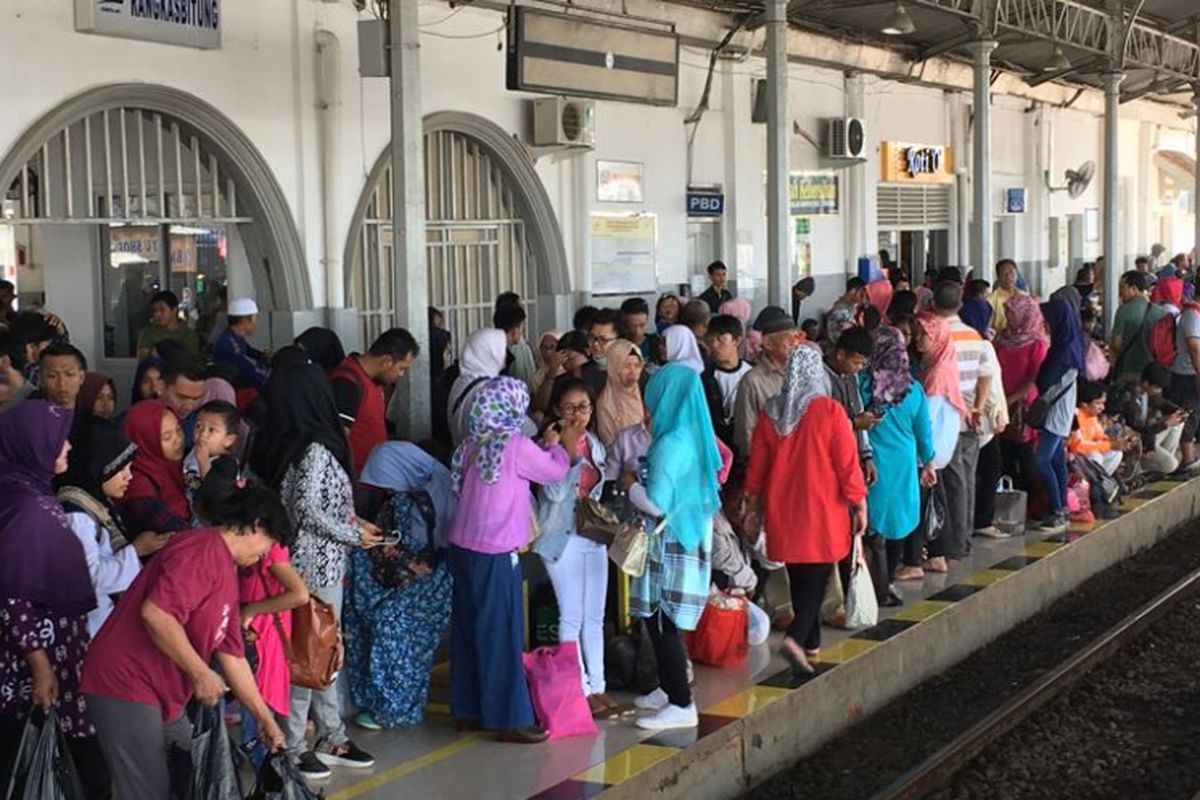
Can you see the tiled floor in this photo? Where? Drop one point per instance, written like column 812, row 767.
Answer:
column 434, row 761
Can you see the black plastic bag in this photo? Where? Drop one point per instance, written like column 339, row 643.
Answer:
column 214, row 773
column 43, row 769
column 280, row 779
column 934, row 511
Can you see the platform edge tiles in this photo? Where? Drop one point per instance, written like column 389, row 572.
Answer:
column 882, row 663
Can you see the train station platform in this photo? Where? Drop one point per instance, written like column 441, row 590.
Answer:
column 753, row 720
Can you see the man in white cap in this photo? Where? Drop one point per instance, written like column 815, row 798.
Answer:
column 233, row 347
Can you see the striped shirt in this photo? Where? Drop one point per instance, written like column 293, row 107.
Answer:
column 974, row 357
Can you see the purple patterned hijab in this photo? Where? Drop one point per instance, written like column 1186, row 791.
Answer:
column 41, row 561
column 889, row 371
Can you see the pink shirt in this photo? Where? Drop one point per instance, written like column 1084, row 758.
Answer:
column 497, row 518
column 1019, row 365
column 273, row 676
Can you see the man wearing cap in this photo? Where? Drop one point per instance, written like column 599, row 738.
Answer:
column 232, row 346
column 779, row 339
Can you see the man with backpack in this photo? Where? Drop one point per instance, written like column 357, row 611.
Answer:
column 1184, row 390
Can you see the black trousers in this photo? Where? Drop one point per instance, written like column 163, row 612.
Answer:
column 988, row 472
column 1019, row 462
column 906, row 551
column 808, row 583
column 672, row 659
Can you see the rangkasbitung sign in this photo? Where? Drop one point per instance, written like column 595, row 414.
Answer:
column 191, row 23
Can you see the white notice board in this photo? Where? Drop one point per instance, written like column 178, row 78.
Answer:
column 624, row 253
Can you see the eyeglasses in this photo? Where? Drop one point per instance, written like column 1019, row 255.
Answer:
column 576, row 408
column 603, row 339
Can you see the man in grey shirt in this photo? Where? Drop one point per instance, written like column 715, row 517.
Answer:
column 1185, row 386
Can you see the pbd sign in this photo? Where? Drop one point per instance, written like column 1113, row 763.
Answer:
column 705, row 204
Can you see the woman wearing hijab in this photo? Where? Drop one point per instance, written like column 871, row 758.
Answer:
column 483, row 358
column 620, row 404
column 682, row 348
column 97, row 399
column 1020, row 350
column 323, row 346
column 493, row 469
column 302, row 451
column 155, row 500
column 394, row 630
column 937, row 372
column 976, row 312
column 45, row 589
column 677, row 489
column 1056, row 384
column 810, row 523
column 879, row 296
column 550, row 362
column 741, row 309
column 903, row 440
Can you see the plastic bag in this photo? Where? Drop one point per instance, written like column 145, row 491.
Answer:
column 280, row 779
column 759, row 625
column 43, row 769
column 214, row 775
column 1011, row 507
column 862, row 607
column 556, row 686
column 721, row 637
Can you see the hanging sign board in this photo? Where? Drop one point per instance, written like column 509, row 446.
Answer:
column 624, row 253
column 190, row 23
column 904, row 162
column 705, row 204
column 812, row 194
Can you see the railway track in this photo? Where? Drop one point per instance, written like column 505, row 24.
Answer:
column 938, row 770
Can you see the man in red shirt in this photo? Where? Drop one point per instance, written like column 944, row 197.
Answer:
column 358, row 389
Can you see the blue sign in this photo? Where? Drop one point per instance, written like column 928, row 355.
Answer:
column 705, row 204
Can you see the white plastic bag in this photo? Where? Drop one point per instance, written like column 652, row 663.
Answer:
column 862, row 607
column 759, row 625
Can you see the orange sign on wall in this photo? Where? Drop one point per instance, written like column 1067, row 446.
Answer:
column 905, row 162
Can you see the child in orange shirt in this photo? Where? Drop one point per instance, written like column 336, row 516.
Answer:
column 1089, row 439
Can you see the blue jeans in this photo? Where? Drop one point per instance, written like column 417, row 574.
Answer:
column 1051, row 457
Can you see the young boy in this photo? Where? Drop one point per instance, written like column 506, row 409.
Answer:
column 211, row 457
column 725, row 371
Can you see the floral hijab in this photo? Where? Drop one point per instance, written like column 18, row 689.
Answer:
column 939, row 367
column 804, row 382
column 497, row 415
column 1023, row 322
column 890, row 376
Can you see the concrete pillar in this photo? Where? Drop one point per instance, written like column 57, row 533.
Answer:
column 1113, row 257
column 1196, row 189
column 981, row 160
column 410, row 408
column 778, row 135
column 859, row 236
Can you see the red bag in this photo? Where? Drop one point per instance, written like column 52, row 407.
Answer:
column 555, row 680
column 1161, row 338
column 722, row 639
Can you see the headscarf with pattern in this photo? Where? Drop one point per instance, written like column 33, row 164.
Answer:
column 805, row 380
column 497, row 415
column 889, row 374
column 1023, row 322
column 939, row 366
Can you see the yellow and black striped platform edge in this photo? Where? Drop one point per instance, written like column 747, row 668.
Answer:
column 648, row 752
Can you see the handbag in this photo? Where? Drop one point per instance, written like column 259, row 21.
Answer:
column 398, row 566
column 314, row 652
column 721, row 638
column 596, row 521
column 1011, row 507
column 1039, row 409
column 629, row 548
column 862, row 606
column 556, row 688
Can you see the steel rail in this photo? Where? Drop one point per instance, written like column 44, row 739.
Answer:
column 936, row 771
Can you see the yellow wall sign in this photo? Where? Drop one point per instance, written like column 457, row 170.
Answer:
column 905, row 162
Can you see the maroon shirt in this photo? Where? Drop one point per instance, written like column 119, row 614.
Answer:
column 361, row 408
column 195, row 580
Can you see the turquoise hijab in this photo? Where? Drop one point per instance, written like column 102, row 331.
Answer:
column 683, row 460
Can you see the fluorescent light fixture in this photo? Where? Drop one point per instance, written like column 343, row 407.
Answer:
column 1058, row 60
column 899, row 23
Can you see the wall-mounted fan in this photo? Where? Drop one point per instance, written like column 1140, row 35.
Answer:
column 1077, row 179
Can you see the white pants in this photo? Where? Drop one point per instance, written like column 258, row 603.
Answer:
column 1165, row 457
column 580, row 578
column 1108, row 461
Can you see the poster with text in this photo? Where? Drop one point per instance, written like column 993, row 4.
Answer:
column 623, row 253
column 801, row 247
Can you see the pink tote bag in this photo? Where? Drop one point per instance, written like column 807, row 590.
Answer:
column 556, row 685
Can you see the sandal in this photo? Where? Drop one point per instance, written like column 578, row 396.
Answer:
column 937, row 564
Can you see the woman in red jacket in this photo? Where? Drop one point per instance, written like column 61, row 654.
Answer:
column 804, row 468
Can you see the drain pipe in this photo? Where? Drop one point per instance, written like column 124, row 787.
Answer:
column 329, row 105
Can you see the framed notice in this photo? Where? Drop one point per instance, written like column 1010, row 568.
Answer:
column 812, row 194
column 1091, row 224
column 624, row 253
column 618, row 181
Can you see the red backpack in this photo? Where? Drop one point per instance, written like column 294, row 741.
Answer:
column 1160, row 339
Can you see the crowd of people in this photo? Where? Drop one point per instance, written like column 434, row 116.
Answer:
column 153, row 553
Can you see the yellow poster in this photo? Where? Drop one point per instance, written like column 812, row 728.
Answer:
column 624, row 253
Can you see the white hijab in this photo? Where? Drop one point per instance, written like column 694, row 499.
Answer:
column 483, row 357
column 682, row 348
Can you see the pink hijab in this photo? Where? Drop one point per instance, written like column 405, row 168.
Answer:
column 752, row 341
column 879, row 295
column 939, row 366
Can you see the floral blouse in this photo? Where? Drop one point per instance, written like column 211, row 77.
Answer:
column 26, row 627
column 319, row 498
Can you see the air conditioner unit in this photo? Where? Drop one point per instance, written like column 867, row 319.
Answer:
column 563, row 122
column 846, row 138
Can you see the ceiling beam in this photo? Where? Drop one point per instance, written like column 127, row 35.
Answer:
column 947, row 45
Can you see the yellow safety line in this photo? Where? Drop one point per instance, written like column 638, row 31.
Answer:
column 407, row 768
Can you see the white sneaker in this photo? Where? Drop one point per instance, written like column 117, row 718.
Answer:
column 653, row 701
column 670, row 716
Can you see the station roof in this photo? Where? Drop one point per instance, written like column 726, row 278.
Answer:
column 1043, row 40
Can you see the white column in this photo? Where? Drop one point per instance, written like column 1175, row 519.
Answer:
column 858, row 184
column 981, row 161
column 1113, row 257
column 410, row 403
column 1196, row 189
column 778, row 136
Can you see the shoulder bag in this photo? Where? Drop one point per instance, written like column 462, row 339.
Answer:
column 1039, row 409
column 314, row 651
column 97, row 511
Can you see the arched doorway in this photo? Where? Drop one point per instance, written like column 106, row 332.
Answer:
column 490, row 228
column 152, row 188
